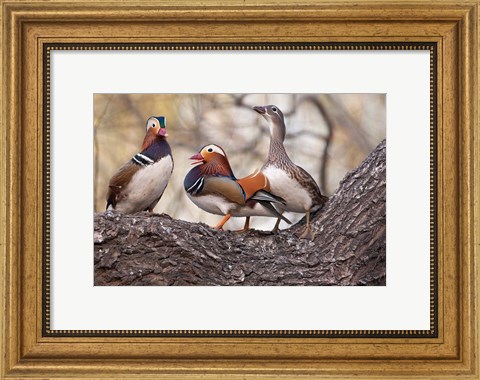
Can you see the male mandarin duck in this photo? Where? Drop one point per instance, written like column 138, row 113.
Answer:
column 212, row 186
column 287, row 180
column 139, row 184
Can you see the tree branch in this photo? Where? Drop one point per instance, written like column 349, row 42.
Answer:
column 349, row 246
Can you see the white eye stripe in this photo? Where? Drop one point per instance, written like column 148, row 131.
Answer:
column 152, row 123
column 214, row 148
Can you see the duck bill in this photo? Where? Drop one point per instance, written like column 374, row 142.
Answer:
column 261, row 110
column 198, row 159
column 162, row 132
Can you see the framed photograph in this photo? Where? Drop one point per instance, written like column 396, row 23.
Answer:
column 338, row 135
column 242, row 189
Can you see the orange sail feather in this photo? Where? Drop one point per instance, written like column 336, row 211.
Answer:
column 253, row 183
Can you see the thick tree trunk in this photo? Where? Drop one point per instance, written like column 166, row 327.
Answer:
column 349, row 246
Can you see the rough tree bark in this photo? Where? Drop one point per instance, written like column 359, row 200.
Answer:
column 349, row 246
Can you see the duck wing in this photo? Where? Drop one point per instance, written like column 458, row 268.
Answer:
column 224, row 186
column 119, row 182
column 262, row 195
column 309, row 184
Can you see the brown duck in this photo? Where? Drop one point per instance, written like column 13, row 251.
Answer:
column 139, row 184
column 287, row 180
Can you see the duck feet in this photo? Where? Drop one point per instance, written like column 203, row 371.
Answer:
column 246, row 227
column 219, row 226
column 307, row 233
column 276, row 229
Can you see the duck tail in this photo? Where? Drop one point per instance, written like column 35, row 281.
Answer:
column 268, row 200
column 270, row 207
column 321, row 202
column 263, row 195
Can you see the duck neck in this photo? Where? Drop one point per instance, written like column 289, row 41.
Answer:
column 277, row 150
column 150, row 138
column 156, row 148
column 277, row 131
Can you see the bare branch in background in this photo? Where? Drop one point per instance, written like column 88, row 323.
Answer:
column 328, row 138
column 96, row 145
column 127, row 99
column 346, row 121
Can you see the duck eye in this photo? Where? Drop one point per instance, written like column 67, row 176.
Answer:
column 274, row 109
column 210, row 150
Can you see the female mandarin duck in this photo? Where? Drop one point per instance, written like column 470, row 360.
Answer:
column 139, row 184
column 287, row 180
column 212, row 186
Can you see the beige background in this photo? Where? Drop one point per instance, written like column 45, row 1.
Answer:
column 352, row 124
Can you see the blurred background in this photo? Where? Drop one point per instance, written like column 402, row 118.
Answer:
column 327, row 134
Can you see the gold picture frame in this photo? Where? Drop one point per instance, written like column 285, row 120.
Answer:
column 29, row 27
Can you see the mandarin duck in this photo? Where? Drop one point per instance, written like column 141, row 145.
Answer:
column 287, row 180
column 139, row 184
column 213, row 187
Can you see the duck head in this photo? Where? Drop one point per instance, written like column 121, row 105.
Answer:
column 156, row 125
column 155, row 130
column 274, row 117
column 212, row 160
